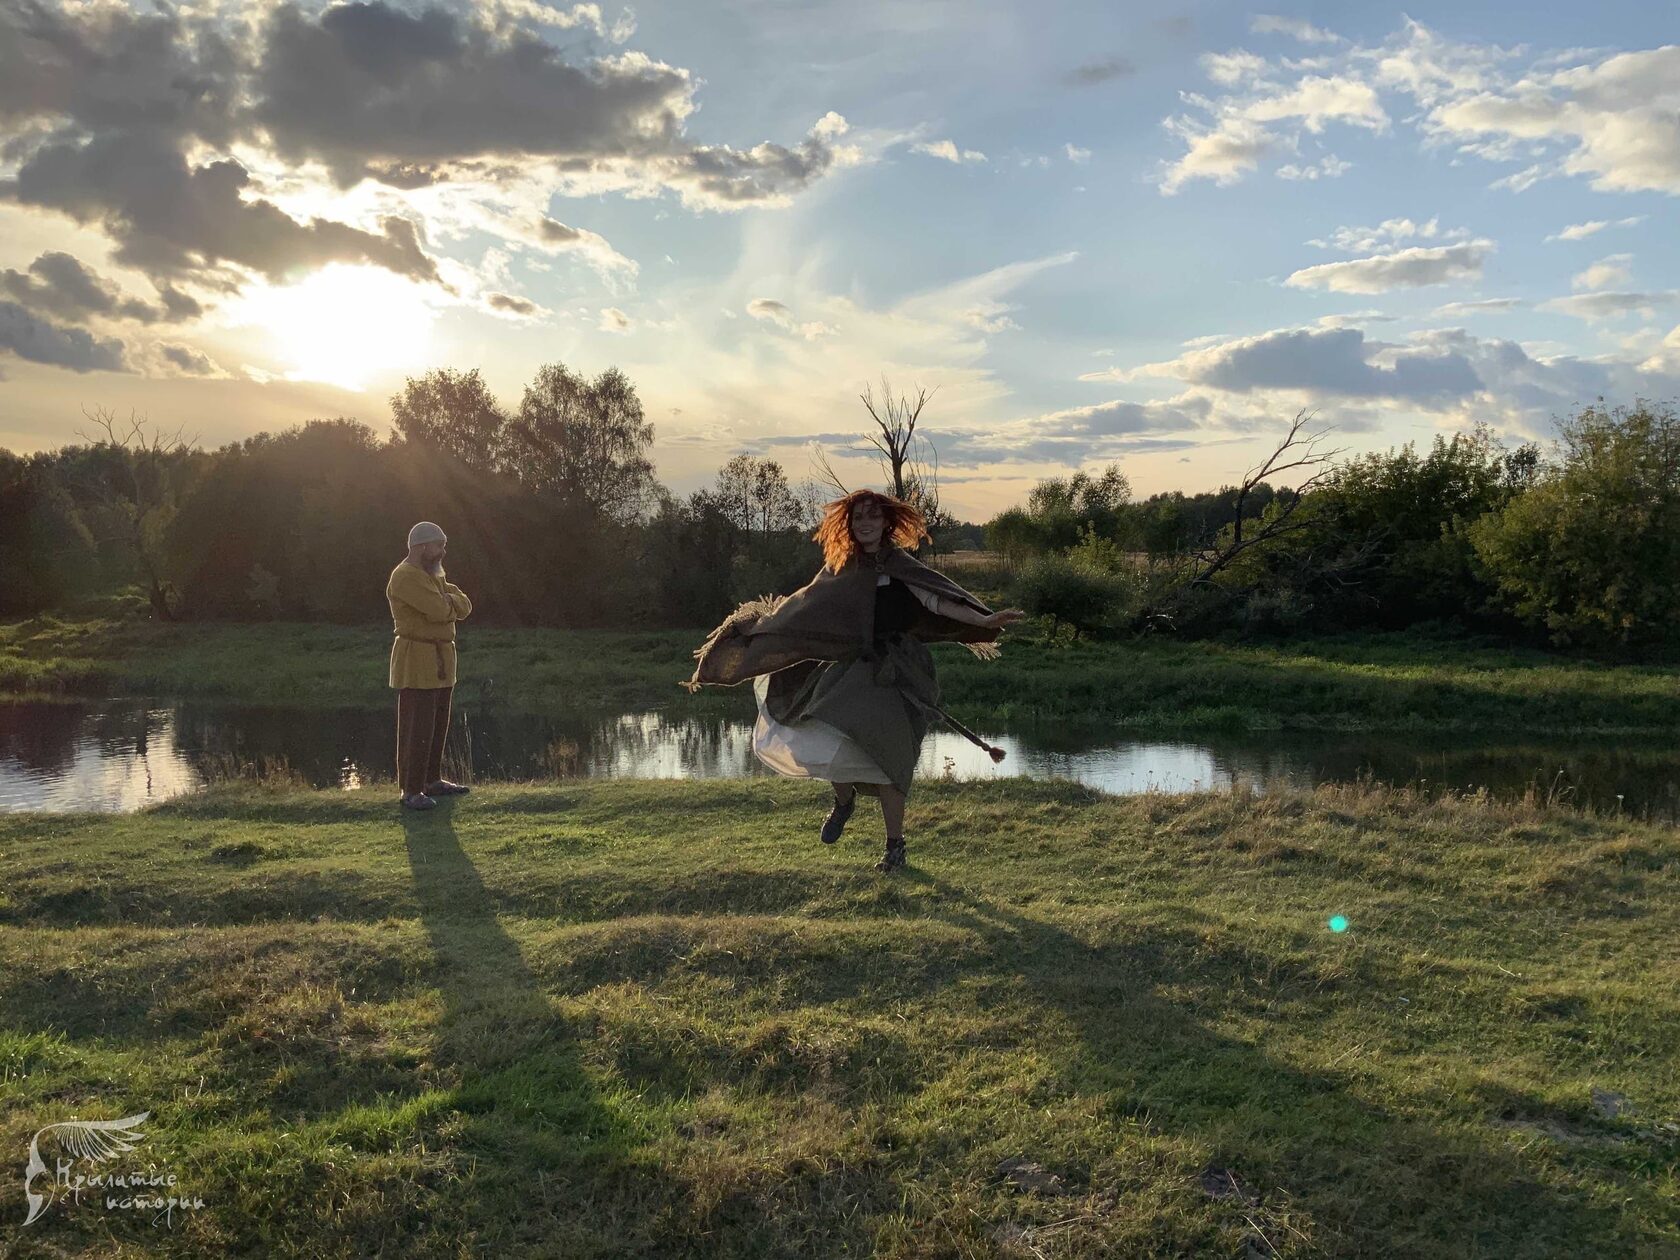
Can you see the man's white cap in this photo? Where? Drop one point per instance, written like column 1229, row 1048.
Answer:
column 425, row 532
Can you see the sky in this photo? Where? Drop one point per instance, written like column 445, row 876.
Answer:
column 1146, row 235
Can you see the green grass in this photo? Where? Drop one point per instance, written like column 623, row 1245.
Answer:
column 658, row 1019
column 1408, row 682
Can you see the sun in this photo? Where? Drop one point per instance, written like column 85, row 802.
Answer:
column 343, row 325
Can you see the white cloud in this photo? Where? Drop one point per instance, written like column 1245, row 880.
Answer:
column 1580, row 231
column 1328, row 168
column 1388, row 233
column 1616, row 121
column 1609, row 304
column 1406, row 268
column 1612, row 118
column 947, row 149
column 1486, row 306
column 1076, row 154
column 614, row 320
column 1232, row 68
column 1606, row 273
column 1306, row 32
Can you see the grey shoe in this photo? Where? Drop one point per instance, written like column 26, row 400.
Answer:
column 894, row 860
column 443, row 787
column 419, row 801
column 837, row 819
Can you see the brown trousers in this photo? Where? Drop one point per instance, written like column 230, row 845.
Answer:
column 422, row 726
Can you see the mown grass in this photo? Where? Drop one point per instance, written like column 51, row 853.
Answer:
column 1369, row 682
column 658, row 1019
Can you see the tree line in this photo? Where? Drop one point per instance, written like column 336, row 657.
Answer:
column 554, row 514
column 555, row 517
column 1573, row 546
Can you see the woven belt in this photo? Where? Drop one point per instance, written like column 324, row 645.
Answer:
column 443, row 673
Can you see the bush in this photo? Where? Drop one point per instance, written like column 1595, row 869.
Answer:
column 1591, row 553
column 1073, row 592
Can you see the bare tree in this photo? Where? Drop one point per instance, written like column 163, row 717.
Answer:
column 137, row 512
column 909, row 462
column 1297, row 450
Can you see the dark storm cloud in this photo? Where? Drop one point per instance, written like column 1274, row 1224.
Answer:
column 58, row 284
column 364, row 84
column 32, row 337
column 101, row 104
column 173, row 219
column 111, row 68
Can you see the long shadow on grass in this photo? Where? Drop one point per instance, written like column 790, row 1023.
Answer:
column 1374, row 1183
column 555, row 1167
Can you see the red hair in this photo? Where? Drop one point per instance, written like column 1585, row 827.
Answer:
column 904, row 526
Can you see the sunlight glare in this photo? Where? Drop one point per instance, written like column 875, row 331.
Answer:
column 343, row 325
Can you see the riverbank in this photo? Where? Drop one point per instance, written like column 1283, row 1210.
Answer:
column 659, row 1019
column 1370, row 682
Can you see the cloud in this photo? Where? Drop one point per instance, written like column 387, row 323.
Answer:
column 1295, row 28
column 948, row 150
column 193, row 136
column 1076, row 154
column 1237, row 136
column 1609, row 305
column 1328, row 168
column 1446, row 373
column 1486, row 306
column 1580, row 231
column 188, row 361
column 171, row 219
column 1337, row 361
column 614, row 320
column 1094, row 72
column 773, row 312
column 32, row 337
column 593, row 248
column 1616, row 121
column 1611, row 118
column 57, row 284
column 1388, row 233
column 1406, row 268
column 1222, row 154
column 511, row 305
column 1604, row 274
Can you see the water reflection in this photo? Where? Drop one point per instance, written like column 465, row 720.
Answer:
column 120, row 754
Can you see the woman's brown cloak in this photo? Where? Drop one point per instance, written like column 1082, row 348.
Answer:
column 818, row 644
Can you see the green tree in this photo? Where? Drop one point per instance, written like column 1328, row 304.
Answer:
column 584, row 443
column 453, row 412
column 1591, row 552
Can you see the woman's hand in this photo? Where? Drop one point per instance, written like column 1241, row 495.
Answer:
column 1008, row 617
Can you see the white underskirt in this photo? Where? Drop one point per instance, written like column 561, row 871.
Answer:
column 810, row 749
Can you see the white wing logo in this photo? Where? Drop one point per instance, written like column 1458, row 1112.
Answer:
column 93, row 1140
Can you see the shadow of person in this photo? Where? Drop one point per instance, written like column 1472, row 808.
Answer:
column 1371, row 1182
column 501, row 1042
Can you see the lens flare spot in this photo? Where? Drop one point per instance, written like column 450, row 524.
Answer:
column 1338, row 923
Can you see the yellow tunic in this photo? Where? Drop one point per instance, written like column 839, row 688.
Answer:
column 424, row 610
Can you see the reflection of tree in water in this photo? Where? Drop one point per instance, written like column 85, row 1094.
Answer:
column 94, row 754
column 653, row 744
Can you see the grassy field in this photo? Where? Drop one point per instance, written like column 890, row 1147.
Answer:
column 659, row 1019
column 1368, row 682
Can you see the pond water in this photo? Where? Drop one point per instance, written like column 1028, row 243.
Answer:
column 121, row 754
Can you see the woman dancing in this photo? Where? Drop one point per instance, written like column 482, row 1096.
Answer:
column 845, row 683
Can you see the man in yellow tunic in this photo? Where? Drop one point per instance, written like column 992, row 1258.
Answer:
column 424, row 610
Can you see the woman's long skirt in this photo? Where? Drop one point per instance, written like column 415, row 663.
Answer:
column 856, row 721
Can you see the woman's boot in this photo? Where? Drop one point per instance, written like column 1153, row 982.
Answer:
column 894, row 859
